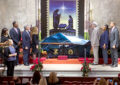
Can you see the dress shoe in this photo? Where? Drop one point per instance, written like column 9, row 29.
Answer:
column 16, row 64
column 104, row 64
column 26, row 64
column 115, row 66
column 94, row 64
column 111, row 64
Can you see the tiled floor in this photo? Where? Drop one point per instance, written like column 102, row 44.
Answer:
column 69, row 70
column 70, row 67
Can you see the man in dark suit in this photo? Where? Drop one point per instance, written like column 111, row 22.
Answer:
column 15, row 35
column 26, row 42
column 114, row 43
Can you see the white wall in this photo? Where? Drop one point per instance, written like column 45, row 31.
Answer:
column 22, row 11
column 105, row 11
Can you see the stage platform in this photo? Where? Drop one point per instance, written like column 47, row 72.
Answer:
column 69, row 70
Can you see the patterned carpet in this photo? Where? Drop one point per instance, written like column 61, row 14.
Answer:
column 67, row 61
column 74, row 61
column 56, row 61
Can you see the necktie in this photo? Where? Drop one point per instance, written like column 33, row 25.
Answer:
column 16, row 30
column 28, row 33
column 112, row 29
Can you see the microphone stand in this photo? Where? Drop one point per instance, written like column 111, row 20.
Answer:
column 39, row 30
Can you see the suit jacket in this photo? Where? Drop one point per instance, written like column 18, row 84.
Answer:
column 16, row 37
column 26, row 40
column 104, row 39
column 114, row 37
column 90, row 30
column 95, row 37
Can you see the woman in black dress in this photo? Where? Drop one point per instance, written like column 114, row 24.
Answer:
column 4, row 38
column 4, row 35
column 35, row 41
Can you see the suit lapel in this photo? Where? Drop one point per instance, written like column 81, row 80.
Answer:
column 15, row 31
column 27, row 34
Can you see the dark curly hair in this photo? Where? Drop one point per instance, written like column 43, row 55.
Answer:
column 4, row 30
column 107, row 27
column 36, row 77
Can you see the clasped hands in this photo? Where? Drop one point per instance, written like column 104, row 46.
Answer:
column 14, row 54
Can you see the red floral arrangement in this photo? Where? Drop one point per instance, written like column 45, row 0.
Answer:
column 37, row 66
column 85, row 69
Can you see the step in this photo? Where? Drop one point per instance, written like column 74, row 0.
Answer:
column 69, row 70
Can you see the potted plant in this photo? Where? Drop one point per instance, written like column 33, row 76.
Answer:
column 85, row 69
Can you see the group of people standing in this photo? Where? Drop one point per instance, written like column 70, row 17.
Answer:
column 104, row 40
column 16, row 39
column 29, row 38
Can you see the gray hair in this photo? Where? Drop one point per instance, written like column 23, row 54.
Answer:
column 95, row 23
column 25, row 27
column 113, row 22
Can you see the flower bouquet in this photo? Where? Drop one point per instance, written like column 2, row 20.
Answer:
column 85, row 69
column 37, row 66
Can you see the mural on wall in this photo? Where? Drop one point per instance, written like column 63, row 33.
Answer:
column 67, row 17
column 62, row 17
